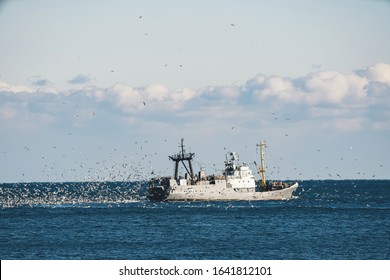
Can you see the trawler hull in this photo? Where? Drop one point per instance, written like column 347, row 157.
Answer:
column 219, row 192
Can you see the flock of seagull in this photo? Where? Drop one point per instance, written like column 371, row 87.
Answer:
column 131, row 170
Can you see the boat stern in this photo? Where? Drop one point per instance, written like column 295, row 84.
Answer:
column 158, row 189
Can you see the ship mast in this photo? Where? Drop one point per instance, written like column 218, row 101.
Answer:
column 262, row 169
column 182, row 156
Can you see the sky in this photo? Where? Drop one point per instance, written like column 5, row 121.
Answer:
column 105, row 90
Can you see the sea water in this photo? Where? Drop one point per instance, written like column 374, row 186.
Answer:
column 331, row 219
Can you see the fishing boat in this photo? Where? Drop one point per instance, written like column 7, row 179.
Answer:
column 237, row 182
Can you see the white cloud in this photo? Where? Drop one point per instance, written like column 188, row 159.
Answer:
column 157, row 92
column 334, row 87
column 330, row 87
column 136, row 100
column 127, row 98
column 4, row 87
column 379, row 73
column 183, row 95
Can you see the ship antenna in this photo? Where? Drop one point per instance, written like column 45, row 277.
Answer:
column 182, row 147
column 261, row 171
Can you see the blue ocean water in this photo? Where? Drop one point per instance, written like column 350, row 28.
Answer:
column 328, row 219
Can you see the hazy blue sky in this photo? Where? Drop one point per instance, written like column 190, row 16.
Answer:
column 104, row 90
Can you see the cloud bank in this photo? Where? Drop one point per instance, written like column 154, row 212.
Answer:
column 343, row 100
